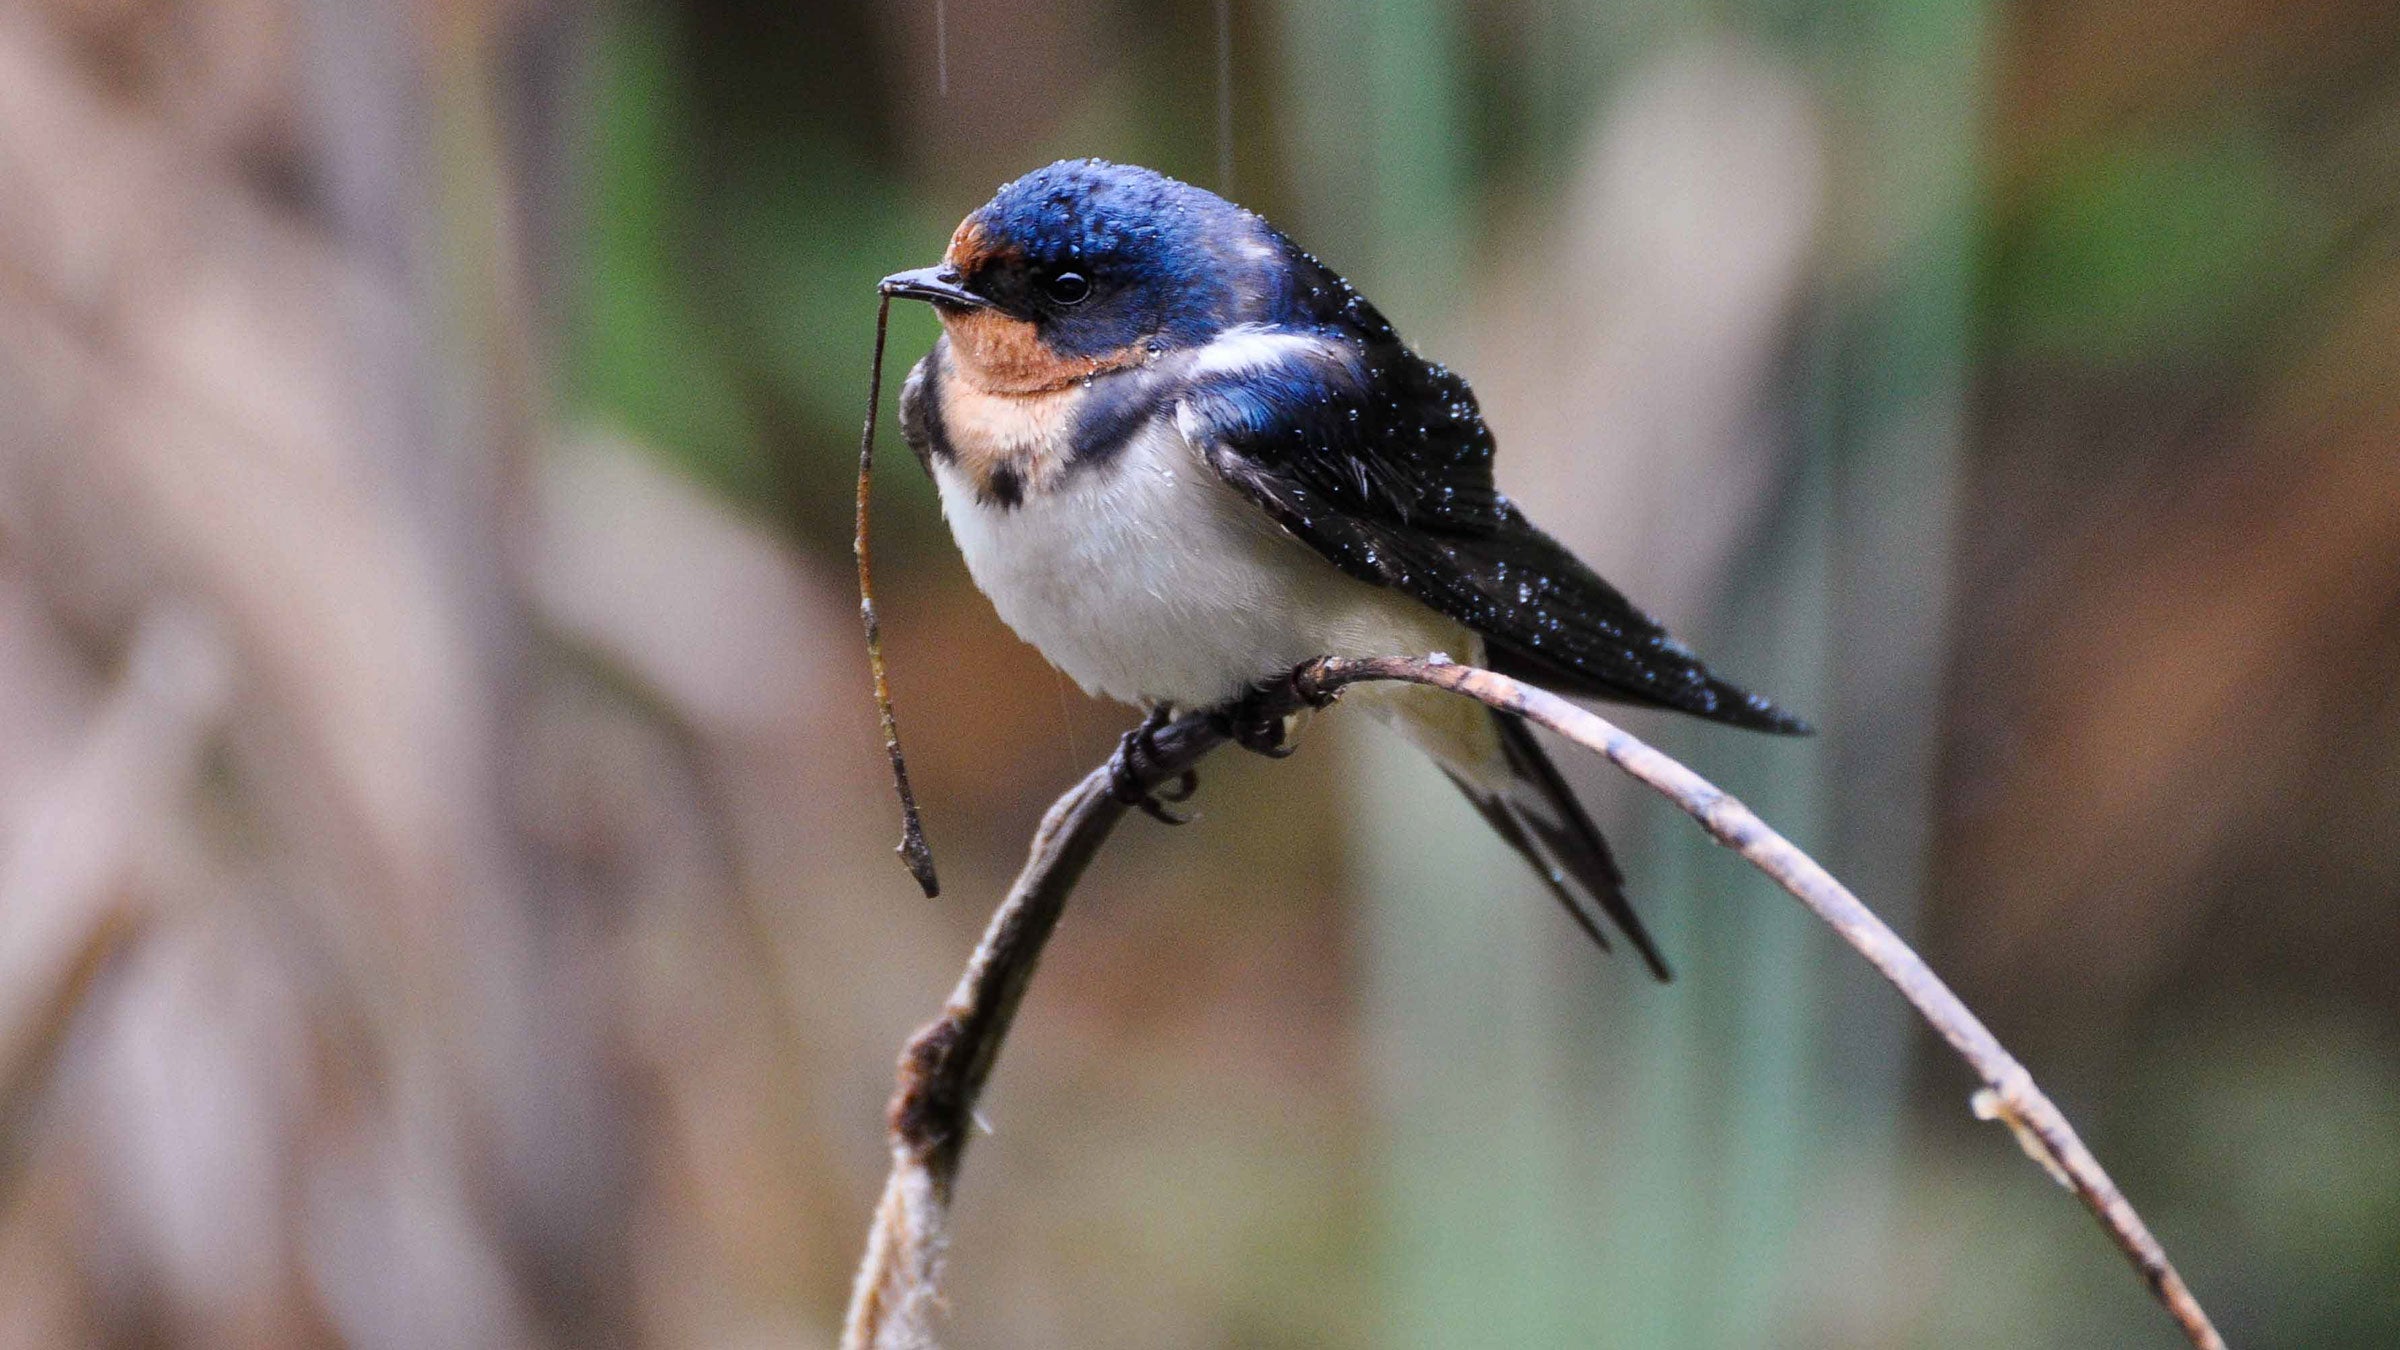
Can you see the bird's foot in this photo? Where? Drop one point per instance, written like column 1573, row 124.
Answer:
column 1257, row 721
column 1136, row 763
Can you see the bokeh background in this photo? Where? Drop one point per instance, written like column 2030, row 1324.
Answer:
column 445, row 881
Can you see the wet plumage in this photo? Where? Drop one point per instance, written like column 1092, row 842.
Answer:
column 1182, row 456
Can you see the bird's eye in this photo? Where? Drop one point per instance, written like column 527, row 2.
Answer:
column 1069, row 288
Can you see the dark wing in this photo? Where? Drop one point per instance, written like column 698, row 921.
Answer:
column 1380, row 460
column 921, row 412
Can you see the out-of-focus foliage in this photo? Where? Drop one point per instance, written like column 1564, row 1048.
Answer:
column 2158, row 252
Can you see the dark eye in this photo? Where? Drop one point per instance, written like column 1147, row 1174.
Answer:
column 1069, row 288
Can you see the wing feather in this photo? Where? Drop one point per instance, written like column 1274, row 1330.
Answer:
column 1380, row 460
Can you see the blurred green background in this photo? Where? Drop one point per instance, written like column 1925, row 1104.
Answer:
column 447, row 895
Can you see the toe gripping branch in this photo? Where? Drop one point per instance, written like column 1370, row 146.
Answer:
column 1140, row 764
column 1255, row 721
column 1163, row 749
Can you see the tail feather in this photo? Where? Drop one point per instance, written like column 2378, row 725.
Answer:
column 1539, row 817
column 1510, row 826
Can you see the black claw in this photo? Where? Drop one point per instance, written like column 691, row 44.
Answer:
column 1136, row 761
column 1160, row 812
column 1255, row 721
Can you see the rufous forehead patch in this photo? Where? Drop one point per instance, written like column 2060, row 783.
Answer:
column 971, row 246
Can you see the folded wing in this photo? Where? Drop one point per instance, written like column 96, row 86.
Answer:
column 1381, row 462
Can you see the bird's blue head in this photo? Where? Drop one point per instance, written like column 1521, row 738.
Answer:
column 1087, row 266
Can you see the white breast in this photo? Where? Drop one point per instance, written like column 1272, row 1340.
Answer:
column 1149, row 580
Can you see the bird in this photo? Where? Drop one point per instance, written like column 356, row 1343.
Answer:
column 1182, row 458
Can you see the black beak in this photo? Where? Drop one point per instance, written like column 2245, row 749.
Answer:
column 942, row 285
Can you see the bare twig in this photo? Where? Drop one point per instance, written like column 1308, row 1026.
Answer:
column 2008, row 1094
column 914, row 851
column 944, row 1067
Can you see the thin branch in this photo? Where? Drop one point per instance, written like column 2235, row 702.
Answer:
column 943, row 1070
column 2008, row 1094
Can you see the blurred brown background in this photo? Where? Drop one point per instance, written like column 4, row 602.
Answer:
column 445, row 880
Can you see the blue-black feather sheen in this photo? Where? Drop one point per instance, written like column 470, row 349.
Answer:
column 1381, row 461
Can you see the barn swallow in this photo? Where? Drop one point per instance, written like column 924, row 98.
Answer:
column 1183, row 457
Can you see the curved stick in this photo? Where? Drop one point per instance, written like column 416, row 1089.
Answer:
column 945, row 1065
column 2008, row 1095
column 943, row 1068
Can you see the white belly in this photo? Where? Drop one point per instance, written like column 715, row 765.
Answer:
column 1149, row 580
